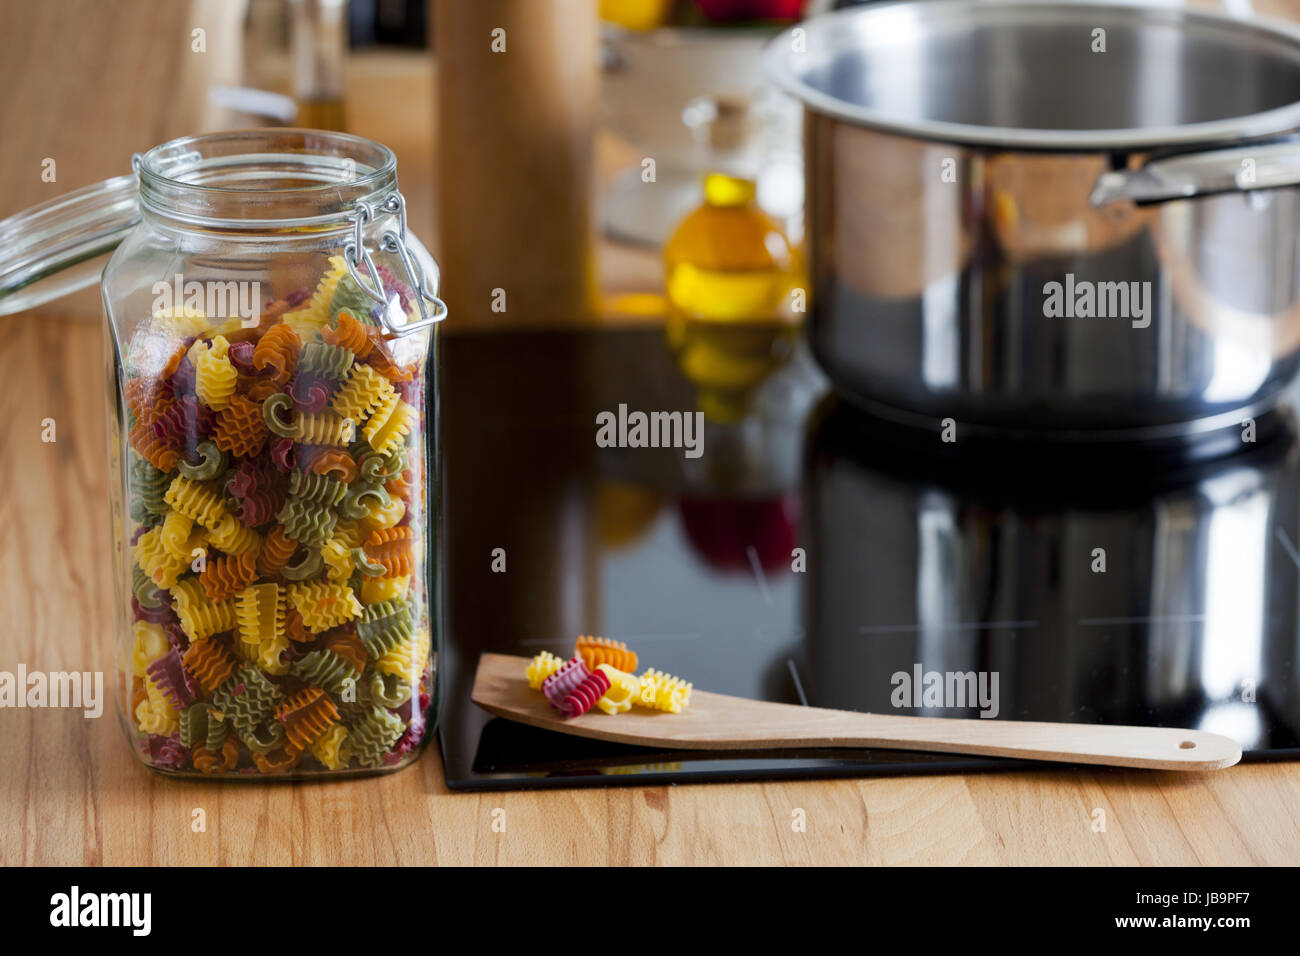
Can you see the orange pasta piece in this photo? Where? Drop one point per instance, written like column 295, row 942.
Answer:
column 240, row 428
column 211, row 662
column 277, row 549
column 225, row 576
column 391, row 547
column 349, row 333
column 152, row 448
column 336, row 462
column 278, row 349
column 595, row 651
column 306, row 715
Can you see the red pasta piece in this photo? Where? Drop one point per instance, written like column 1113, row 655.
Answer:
column 584, row 696
column 175, row 682
column 565, row 681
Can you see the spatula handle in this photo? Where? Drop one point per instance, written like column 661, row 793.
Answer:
column 1157, row 748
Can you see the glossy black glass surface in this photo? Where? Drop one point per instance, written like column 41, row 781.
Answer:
column 954, row 558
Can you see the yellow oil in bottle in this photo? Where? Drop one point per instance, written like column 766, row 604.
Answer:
column 730, row 271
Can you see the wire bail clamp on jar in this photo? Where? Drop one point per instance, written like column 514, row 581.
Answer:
column 356, row 253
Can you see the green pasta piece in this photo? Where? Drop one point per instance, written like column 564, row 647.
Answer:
column 246, row 698
column 385, row 625
column 307, row 522
column 325, row 669
column 150, row 485
column 212, row 462
column 376, row 468
column 322, row 489
column 308, row 567
column 146, row 592
column 391, row 690
column 142, row 515
column 354, row 504
column 193, row 724
column 218, row 731
column 350, row 297
column 360, row 703
column 365, row 566
column 277, row 412
column 263, row 738
column 325, row 360
column 374, row 735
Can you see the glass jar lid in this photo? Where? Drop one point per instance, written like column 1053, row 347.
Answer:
column 239, row 181
column 62, row 245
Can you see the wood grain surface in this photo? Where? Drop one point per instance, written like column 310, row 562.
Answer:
column 70, row 790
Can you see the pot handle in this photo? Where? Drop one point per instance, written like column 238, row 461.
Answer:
column 1186, row 175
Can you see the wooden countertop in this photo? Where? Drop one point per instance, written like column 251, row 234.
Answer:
column 72, row 793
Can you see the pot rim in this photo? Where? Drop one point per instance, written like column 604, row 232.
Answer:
column 780, row 67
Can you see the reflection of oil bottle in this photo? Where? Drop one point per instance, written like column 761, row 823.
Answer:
column 730, row 271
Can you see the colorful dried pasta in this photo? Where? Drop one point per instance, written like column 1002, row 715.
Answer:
column 276, row 527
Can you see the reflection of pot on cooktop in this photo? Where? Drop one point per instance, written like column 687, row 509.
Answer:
column 964, row 558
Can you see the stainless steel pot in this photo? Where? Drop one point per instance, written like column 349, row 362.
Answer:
column 1050, row 219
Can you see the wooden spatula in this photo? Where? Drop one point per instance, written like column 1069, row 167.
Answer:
column 718, row 722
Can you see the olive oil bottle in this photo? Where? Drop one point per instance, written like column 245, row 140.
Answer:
column 730, row 272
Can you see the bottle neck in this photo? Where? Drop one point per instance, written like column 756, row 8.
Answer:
column 725, row 191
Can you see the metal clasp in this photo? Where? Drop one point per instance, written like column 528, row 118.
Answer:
column 355, row 253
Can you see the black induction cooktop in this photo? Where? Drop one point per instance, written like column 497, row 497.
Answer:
column 814, row 555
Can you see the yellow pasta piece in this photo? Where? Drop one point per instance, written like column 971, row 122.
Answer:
column 331, row 748
column 623, row 690
column 260, row 613
column 362, row 394
column 323, row 606
column 324, row 428
column 541, row 667
column 390, row 425
column 337, row 555
column 231, row 325
column 180, row 321
column 154, row 560
column 214, row 375
column 148, row 643
column 268, row 655
column 374, row 590
column 244, row 651
column 660, row 691
column 196, row 502
column 187, row 593
column 408, row 658
column 204, row 619
column 349, row 532
column 315, row 312
column 233, row 538
column 155, row 714
column 379, row 516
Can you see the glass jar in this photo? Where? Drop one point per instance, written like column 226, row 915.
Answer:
column 272, row 359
